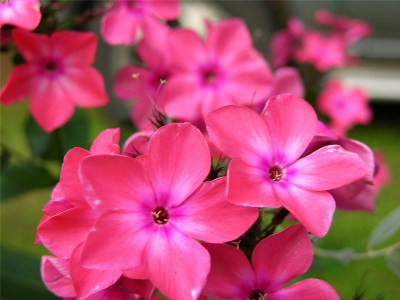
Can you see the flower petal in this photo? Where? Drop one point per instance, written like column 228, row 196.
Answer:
column 282, row 257
column 177, row 265
column 292, row 123
column 73, row 47
column 32, row 46
column 121, row 237
column 19, row 84
column 107, row 142
column 247, row 185
column 327, row 168
column 207, row 215
column 62, row 233
column 310, row 289
column 49, row 105
column 89, row 281
column 179, row 161
column 240, row 133
column 84, row 86
column 56, row 277
column 231, row 275
column 313, row 209
column 114, row 182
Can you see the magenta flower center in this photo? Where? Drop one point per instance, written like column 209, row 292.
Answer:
column 211, row 75
column 275, row 173
column 51, row 66
column 257, row 295
column 160, row 216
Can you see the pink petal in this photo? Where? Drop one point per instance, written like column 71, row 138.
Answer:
column 106, row 142
column 177, row 265
column 313, row 209
column 119, row 27
column 282, row 257
column 24, row 14
column 227, row 35
column 207, row 215
column 56, row 277
column 327, row 168
column 186, row 58
column 129, row 83
column 73, row 47
column 231, row 275
column 32, row 46
column 287, row 80
column 89, row 281
column 292, row 123
column 167, row 9
column 63, row 232
column 358, row 195
column 137, row 273
column 19, row 84
column 246, row 137
column 69, row 176
column 84, row 86
column 121, row 237
column 182, row 98
column 179, row 161
column 114, row 182
column 248, row 185
column 49, row 105
column 310, row 289
column 137, row 144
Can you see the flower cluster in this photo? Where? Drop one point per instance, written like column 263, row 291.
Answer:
column 225, row 143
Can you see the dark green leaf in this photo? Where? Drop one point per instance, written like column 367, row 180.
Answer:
column 18, row 179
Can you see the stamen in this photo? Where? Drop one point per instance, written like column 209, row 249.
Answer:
column 275, row 173
column 160, row 216
column 257, row 295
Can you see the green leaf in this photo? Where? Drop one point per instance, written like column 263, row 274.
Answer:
column 18, row 179
column 38, row 140
column 389, row 226
column 393, row 261
column 20, row 277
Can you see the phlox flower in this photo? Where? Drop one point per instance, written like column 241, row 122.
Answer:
column 154, row 208
column 64, row 277
column 345, row 107
column 222, row 69
column 323, row 52
column 275, row 261
column 144, row 84
column 67, row 216
column 20, row 13
column 57, row 75
column 121, row 23
column 266, row 169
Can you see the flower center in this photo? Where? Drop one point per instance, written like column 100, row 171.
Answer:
column 275, row 173
column 160, row 216
column 3, row 1
column 51, row 66
column 257, row 295
column 209, row 77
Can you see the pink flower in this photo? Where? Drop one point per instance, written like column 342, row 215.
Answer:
column 351, row 29
column 57, row 76
column 276, row 260
column 221, row 70
column 68, row 217
column 265, row 170
column 381, row 172
column 345, row 107
column 323, row 52
column 21, row 13
column 145, row 84
column 121, row 23
column 155, row 207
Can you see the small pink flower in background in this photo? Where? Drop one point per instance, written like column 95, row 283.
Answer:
column 121, row 23
column 266, row 169
column 381, row 172
column 145, row 84
column 351, row 29
column 20, row 13
column 223, row 69
column 276, row 260
column 345, row 107
column 155, row 207
column 323, row 52
column 57, row 76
